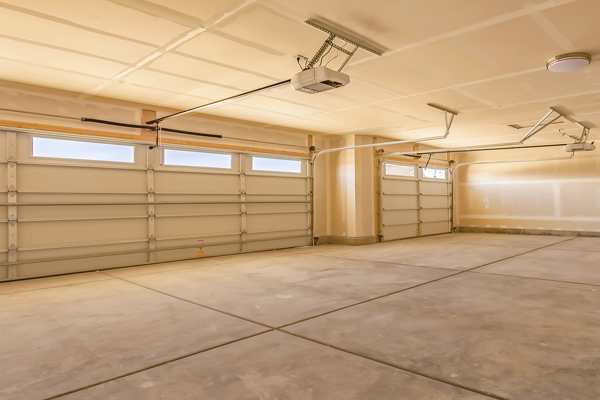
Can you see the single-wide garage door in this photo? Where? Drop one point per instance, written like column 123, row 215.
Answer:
column 414, row 201
column 76, row 204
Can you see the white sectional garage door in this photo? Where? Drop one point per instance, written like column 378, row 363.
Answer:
column 71, row 215
column 414, row 201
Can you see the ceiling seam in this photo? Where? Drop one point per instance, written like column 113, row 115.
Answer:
column 190, row 56
column 52, row 68
column 60, row 48
column 62, row 21
column 185, row 37
column 471, row 28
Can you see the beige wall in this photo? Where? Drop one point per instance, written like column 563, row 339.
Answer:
column 21, row 97
column 549, row 195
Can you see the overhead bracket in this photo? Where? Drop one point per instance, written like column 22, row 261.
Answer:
column 541, row 124
column 336, row 33
column 584, row 134
column 448, row 121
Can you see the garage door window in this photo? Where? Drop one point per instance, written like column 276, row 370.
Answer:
column 197, row 159
column 276, row 165
column 399, row 170
column 79, row 150
column 434, row 173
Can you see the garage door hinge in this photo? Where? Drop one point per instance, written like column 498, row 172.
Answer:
column 12, row 191
column 152, row 238
column 151, row 215
column 13, row 248
column 242, row 191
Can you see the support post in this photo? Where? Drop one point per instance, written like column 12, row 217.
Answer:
column 11, row 157
column 310, row 183
column 243, row 209
column 151, row 159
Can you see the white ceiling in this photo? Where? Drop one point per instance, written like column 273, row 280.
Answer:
column 484, row 59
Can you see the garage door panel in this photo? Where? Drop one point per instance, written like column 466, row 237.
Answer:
column 95, row 197
column 435, row 215
column 269, row 184
column 44, row 234
column 3, row 272
column 3, row 235
column 199, row 241
column 165, row 210
column 54, row 178
column 392, row 202
column 399, row 186
column 400, row 231
column 435, row 201
column 276, row 222
column 82, row 265
column 71, row 212
column 400, row 217
column 196, row 198
column 439, row 188
column 176, row 227
column 62, row 252
column 272, row 207
column 178, row 182
column 270, row 235
column 434, row 228
column 3, row 172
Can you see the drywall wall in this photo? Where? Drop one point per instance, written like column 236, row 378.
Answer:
column 344, row 183
column 70, row 105
column 548, row 195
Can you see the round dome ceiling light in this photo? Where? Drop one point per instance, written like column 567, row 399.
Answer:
column 568, row 62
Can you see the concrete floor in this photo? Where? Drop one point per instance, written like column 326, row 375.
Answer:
column 461, row 316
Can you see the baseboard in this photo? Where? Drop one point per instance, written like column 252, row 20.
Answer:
column 357, row 241
column 543, row 232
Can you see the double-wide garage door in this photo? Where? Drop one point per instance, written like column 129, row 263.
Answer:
column 414, row 201
column 67, row 214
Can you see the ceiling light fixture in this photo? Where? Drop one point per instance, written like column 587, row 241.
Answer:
column 568, row 62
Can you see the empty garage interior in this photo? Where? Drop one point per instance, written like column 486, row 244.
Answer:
column 300, row 200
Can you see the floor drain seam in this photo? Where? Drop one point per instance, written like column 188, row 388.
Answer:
column 537, row 279
column 517, row 255
column 369, row 300
column 198, row 304
column 405, row 289
column 156, row 365
column 389, row 364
